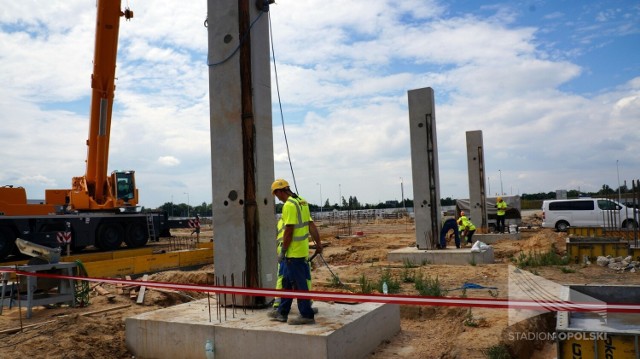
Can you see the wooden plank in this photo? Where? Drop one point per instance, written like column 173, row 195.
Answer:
column 142, row 290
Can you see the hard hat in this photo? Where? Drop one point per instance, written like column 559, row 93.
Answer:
column 462, row 213
column 499, row 199
column 278, row 184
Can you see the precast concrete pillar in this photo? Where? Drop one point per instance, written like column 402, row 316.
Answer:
column 476, row 172
column 241, row 145
column 424, row 167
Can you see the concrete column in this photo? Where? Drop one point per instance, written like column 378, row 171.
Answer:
column 231, row 254
column 424, row 165
column 477, row 194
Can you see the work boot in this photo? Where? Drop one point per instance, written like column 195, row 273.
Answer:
column 276, row 316
column 301, row 320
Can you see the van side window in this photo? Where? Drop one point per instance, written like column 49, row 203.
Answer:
column 571, row 205
column 607, row 205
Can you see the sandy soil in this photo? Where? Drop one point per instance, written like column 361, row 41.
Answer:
column 427, row 332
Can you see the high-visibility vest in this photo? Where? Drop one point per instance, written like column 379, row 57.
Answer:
column 280, row 235
column 294, row 213
column 466, row 223
column 501, row 206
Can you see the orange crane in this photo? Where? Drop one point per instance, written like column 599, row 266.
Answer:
column 98, row 210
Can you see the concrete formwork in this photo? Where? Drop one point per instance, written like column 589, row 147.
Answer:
column 424, row 166
column 341, row 331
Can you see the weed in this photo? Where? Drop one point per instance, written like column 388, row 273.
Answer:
column 494, row 294
column 366, row 287
column 335, row 282
column 464, row 293
column 393, row 285
column 469, row 320
column 498, row 351
column 429, row 287
column 408, row 276
column 408, row 263
column 567, row 270
column 537, row 259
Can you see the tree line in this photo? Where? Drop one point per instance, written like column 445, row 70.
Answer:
column 352, row 202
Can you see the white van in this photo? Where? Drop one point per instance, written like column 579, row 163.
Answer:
column 587, row 212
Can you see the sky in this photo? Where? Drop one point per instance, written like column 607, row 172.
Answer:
column 554, row 86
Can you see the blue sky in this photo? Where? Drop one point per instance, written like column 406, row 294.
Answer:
column 553, row 85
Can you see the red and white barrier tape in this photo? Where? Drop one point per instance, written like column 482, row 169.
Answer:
column 496, row 303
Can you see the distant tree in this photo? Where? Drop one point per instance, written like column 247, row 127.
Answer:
column 606, row 190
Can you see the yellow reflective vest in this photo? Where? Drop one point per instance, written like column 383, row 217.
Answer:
column 295, row 211
column 465, row 223
column 501, row 208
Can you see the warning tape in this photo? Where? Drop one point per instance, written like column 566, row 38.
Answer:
column 496, row 303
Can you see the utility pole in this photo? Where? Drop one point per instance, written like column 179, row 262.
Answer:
column 188, row 204
column 501, row 190
column 618, row 171
column 321, row 203
column 402, row 192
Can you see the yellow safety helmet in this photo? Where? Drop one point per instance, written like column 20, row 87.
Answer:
column 279, row 184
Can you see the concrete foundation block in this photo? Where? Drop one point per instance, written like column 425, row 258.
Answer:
column 453, row 256
column 341, row 331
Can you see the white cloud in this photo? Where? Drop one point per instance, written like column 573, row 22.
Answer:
column 344, row 69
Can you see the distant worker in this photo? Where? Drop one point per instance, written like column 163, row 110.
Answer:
column 294, row 254
column 468, row 227
column 196, row 227
column 501, row 211
column 449, row 224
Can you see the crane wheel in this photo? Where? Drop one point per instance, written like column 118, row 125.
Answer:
column 110, row 236
column 136, row 235
column 7, row 242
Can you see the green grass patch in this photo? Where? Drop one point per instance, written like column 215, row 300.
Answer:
column 498, row 351
column 537, row 259
column 429, row 287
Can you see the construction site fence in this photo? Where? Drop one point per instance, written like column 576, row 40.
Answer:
column 362, row 215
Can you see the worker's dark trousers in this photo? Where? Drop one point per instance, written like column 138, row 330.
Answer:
column 449, row 224
column 470, row 236
column 296, row 273
column 500, row 224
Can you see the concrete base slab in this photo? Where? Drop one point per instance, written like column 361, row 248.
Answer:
column 491, row 238
column 455, row 256
column 341, row 331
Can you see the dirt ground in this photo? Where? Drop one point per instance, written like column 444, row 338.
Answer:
column 97, row 331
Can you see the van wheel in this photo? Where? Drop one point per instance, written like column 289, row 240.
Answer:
column 562, row 226
column 630, row 224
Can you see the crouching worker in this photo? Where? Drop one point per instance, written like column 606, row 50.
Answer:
column 449, row 224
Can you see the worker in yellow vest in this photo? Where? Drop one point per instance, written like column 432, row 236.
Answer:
column 468, row 227
column 501, row 212
column 279, row 236
column 294, row 254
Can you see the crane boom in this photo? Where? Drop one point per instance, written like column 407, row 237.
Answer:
column 95, row 190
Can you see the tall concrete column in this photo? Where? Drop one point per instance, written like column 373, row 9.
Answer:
column 424, row 165
column 241, row 145
column 477, row 193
